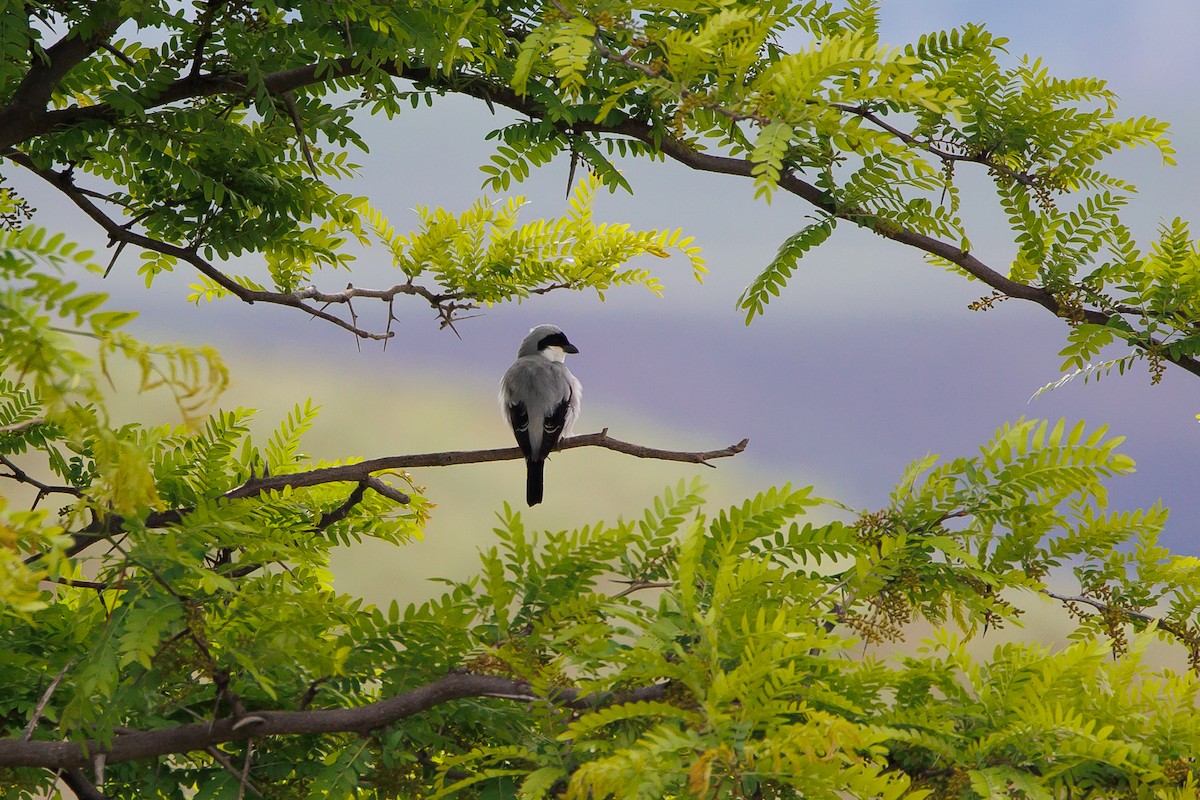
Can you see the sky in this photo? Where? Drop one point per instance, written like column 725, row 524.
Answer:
column 870, row 359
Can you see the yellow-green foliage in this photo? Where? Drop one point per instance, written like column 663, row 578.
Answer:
column 691, row 652
column 686, row 653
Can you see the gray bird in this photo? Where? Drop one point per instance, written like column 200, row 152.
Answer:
column 540, row 399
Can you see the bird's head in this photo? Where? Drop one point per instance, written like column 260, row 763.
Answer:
column 549, row 341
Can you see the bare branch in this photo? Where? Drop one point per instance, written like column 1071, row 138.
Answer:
column 38, row 710
column 81, row 785
column 1185, row 637
column 135, row 745
column 364, row 469
column 638, row 585
column 243, row 775
column 363, row 473
column 1138, row 617
column 122, row 235
column 75, row 583
column 18, row 427
column 44, row 489
column 356, row 497
column 289, row 102
column 204, row 23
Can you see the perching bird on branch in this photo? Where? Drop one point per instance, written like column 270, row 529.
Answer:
column 540, row 399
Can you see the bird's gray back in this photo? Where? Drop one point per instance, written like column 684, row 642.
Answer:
column 543, row 384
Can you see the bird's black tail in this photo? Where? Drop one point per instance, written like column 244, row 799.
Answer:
column 533, row 481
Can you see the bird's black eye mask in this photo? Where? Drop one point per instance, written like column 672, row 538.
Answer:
column 557, row 340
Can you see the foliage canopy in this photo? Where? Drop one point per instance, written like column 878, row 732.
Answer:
column 170, row 628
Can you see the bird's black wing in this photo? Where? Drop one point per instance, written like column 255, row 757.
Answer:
column 518, row 418
column 552, row 427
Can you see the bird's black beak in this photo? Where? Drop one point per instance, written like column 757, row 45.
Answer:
column 569, row 348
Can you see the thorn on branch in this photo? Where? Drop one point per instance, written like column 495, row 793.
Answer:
column 244, row 722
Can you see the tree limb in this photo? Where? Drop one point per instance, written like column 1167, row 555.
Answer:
column 362, row 473
column 143, row 744
column 36, row 716
column 1188, row 638
column 364, row 469
column 44, row 489
column 1105, row 608
column 18, row 427
column 444, row 303
column 195, row 85
column 81, row 785
column 24, row 114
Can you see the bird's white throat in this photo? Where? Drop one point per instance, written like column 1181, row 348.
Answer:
column 555, row 353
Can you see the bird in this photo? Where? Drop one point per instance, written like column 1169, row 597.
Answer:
column 541, row 400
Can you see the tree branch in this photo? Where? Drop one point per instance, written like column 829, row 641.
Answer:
column 24, row 114
column 194, row 85
column 364, row 469
column 38, row 710
column 362, row 473
column 444, row 303
column 19, row 427
column 1189, row 639
column 1127, row 613
column 79, row 783
column 44, row 489
column 135, row 745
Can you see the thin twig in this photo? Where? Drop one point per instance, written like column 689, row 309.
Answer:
column 227, row 764
column 18, row 427
column 82, row 584
column 639, row 585
column 45, row 699
column 1128, row 613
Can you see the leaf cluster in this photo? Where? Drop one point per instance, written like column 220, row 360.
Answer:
column 680, row 653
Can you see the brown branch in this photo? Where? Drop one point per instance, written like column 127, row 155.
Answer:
column 363, row 473
column 205, row 25
column 289, row 102
column 144, row 744
column 195, row 86
column 922, row 144
column 79, row 783
column 75, row 583
column 18, row 427
column 44, row 489
column 356, row 497
column 243, row 775
column 1188, row 639
column 23, row 115
column 364, row 469
column 37, row 121
column 122, row 235
column 1128, row 613
column 40, row 708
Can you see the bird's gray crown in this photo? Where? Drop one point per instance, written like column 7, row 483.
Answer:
column 544, row 336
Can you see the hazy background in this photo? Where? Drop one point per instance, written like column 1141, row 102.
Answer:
column 869, row 360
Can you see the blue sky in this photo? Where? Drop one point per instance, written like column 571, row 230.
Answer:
column 868, row 361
